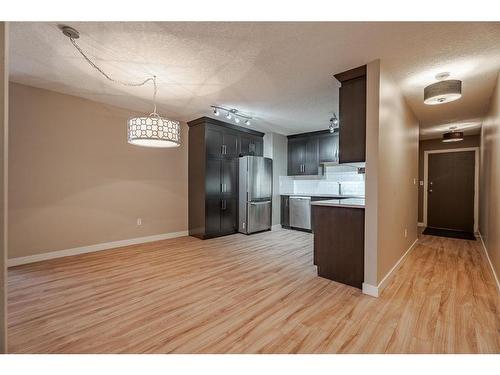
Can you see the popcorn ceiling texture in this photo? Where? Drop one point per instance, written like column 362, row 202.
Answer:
column 279, row 72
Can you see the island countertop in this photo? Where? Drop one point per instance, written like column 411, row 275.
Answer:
column 348, row 202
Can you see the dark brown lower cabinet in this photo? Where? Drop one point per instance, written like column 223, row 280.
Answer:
column 285, row 211
column 339, row 243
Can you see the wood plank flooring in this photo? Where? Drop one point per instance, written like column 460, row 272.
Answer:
column 250, row 294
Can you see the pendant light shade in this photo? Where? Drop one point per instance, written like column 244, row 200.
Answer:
column 154, row 131
column 443, row 92
column 453, row 136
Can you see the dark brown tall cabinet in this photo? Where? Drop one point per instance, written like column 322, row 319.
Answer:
column 214, row 148
column 352, row 115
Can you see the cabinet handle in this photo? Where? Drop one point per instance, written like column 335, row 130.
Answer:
column 222, row 188
column 225, row 188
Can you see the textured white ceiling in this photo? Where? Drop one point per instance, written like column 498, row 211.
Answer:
column 281, row 73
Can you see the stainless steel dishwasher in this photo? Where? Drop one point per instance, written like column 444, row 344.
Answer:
column 300, row 212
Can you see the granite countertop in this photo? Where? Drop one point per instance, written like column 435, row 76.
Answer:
column 348, row 202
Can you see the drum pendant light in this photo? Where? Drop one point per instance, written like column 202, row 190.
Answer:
column 152, row 130
column 444, row 91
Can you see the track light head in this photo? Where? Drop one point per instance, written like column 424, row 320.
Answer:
column 216, row 112
column 236, row 119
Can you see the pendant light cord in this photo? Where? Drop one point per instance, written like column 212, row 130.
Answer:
column 133, row 84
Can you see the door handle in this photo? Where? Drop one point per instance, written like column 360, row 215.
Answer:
column 259, row 203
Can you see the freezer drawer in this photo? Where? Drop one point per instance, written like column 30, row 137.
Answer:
column 259, row 216
column 300, row 212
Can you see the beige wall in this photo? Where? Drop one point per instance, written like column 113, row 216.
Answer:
column 392, row 151
column 4, row 99
column 75, row 181
column 489, row 190
column 437, row 144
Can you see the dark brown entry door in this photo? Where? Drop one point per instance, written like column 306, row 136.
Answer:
column 451, row 191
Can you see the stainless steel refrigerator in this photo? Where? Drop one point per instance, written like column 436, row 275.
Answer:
column 255, row 193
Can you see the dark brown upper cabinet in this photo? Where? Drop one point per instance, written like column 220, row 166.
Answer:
column 214, row 148
column 329, row 148
column 352, row 115
column 251, row 145
column 308, row 151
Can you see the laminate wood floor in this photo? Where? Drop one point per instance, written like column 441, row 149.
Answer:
column 250, row 294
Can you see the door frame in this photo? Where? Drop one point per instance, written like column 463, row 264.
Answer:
column 476, row 180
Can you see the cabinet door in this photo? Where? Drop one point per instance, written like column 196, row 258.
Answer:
column 214, row 142
column 213, row 216
column 352, row 120
column 230, row 141
column 312, row 157
column 296, row 156
column 213, row 177
column 259, row 146
column 230, row 177
column 229, row 221
column 328, row 148
column 251, row 145
column 285, row 211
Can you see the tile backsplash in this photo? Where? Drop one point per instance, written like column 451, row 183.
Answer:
column 352, row 182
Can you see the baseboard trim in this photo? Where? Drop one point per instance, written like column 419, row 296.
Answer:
column 370, row 290
column 92, row 248
column 420, row 224
column 375, row 291
column 489, row 261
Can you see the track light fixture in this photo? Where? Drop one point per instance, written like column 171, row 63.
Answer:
column 334, row 123
column 232, row 112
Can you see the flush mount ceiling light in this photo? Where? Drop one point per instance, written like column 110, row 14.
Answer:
column 444, row 91
column 148, row 131
column 232, row 112
column 453, row 135
column 334, row 123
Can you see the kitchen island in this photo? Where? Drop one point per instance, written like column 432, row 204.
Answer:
column 339, row 239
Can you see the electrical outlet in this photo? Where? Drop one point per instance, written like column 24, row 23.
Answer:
column 406, row 233
column 414, row 181
column 139, row 221
column 421, row 183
